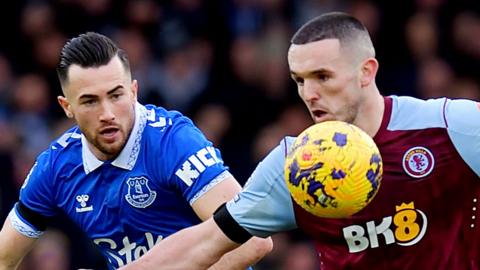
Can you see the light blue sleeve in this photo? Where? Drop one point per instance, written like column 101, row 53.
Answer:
column 264, row 207
column 463, row 125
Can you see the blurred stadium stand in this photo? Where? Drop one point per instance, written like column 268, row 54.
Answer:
column 222, row 63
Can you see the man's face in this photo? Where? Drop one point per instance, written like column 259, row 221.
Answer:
column 327, row 79
column 102, row 101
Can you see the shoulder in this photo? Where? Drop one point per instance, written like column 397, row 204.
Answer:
column 166, row 124
column 174, row 136
column 271, row 168
column 171, row 132
column 462, row 115
column 162, row 116
column 463, row 127
column 453, row 114
column 63, row 150
column 264, row 206
column 410, row 113
column 287, row 143
column 60, row 158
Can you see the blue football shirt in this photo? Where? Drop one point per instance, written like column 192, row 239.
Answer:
column 128, row 204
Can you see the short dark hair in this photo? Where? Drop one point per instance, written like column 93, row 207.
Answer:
column 89, row 50
column 333, row 25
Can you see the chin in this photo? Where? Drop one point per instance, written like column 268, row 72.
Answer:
column 323, row 118
column 112, row 150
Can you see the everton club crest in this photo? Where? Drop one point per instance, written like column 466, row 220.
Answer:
column 139, row 193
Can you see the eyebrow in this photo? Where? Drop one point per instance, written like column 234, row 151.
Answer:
column 314, row 72
column 85, row 96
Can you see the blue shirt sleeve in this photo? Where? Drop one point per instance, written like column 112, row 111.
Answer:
column 463, row 124
column 264, row 206
column 37, row 193
column 197, row 165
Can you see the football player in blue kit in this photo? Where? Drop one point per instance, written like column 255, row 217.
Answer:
column 128, row 175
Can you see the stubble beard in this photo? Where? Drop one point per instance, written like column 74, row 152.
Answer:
column 351, row 112
column 111, row 150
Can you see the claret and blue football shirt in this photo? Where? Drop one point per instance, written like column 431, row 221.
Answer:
column 426, row 214
column 128, row 204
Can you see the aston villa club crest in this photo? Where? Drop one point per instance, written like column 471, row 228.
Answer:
column 418, row 162
column 139, row 193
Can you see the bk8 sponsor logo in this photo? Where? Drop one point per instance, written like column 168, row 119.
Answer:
column 406, row 228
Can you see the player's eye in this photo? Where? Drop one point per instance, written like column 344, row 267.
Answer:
column 298, row 80
column 323, row 77
column 116, row 96
column 89, row 102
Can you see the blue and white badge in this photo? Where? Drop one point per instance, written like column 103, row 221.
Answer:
column 139, row 193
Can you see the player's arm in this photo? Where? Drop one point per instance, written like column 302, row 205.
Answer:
column 201, row 176
column 249, row 253
column 17, row 238
column 262, row 208
column 198, row 247
column 461, row 119
column 219, row 194
column 13, row 246
column 194, row 248
column 28, row 219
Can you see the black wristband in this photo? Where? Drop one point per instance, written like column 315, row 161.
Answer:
column 32, row 217
column 229, row 226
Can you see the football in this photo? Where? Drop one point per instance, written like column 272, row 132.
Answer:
column 333, row 169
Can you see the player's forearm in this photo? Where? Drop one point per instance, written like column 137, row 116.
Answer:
column 173, row 253
column 244, row 256
column 194, row 248
column 13, row 246
column 9, row 260
column 7, row 265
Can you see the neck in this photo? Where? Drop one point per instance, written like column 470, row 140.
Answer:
column 371, row 112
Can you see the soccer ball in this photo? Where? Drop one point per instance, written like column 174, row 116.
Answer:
column 333, row 169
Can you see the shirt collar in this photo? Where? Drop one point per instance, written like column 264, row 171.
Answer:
column 129, row 154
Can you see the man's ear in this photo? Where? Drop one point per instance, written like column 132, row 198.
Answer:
column 67, row 108
column 134, row 88
column 368, row 72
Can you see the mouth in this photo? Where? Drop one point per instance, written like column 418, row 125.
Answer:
column 109, row 134
column 319, row 115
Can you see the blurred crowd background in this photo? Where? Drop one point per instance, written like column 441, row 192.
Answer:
column 223, row 64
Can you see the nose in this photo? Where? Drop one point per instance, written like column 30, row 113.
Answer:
column 107, row 115
column 310, row 91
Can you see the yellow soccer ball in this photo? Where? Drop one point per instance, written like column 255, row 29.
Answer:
column 333, row 169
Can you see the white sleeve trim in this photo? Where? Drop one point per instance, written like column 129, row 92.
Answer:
column 222, row 176
column 22, row 226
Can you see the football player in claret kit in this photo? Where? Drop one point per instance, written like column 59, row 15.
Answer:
column 425, row 213
column 128, row 175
